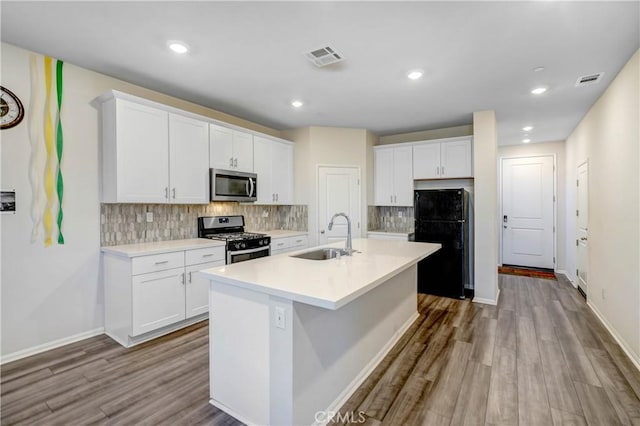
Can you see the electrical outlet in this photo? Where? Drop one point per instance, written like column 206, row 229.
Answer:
column 265, row 213
column 400, row 214
column 149, row 217
column 280, row 317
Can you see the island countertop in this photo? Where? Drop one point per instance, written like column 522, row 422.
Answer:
column 330, row 283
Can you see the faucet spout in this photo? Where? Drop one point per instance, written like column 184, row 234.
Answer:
column 347, row 247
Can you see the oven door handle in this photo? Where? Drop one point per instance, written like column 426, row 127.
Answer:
column 253, row 250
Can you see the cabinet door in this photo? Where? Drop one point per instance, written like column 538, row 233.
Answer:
column 142, row 140
column 242, row 151
column 402, row 177
column 262, row 166
column 456, row 159
column 197, row 289
column 157, row 300
column 383, row 176
column 188, row 162
column 426, row 160
column 220, row 147
column 282, row 172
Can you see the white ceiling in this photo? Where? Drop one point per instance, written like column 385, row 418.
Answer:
column 247, row 60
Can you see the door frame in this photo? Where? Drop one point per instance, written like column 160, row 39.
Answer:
column 555, row 204
column 575, row 229
column 317, row 198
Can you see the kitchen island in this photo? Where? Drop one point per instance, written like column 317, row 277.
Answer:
column 291, row 338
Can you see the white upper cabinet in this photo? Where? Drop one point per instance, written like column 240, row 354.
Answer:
column 135, row 151
column 150, row 155
column 393, row 181
column 230, row 149
column 273, row 163
column 188, row 160
column 443, row 159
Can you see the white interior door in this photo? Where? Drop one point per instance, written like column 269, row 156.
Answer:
column 527, row 212
column 582, row 225
column 338, row 192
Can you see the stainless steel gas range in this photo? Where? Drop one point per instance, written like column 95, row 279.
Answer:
column 240, row 245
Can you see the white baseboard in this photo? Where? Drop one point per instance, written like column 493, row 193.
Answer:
column 366, row 371
column 231, row 412
column 635, row 359
column 50, row 345
column 487, row 301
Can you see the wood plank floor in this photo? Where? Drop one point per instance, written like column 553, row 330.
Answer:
column 538, row 358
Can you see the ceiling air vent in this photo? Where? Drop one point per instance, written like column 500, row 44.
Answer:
column 324, row 56
column 588, row 80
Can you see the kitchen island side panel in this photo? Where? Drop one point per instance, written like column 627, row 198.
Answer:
column 335, row 350
column 239, row 370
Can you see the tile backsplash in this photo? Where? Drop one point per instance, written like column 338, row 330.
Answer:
column 387, row 219
column 126, row 223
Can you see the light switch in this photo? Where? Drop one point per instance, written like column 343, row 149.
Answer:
column 280, row 317
column 149, row 216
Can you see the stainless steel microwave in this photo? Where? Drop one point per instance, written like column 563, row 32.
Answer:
column 229, row 185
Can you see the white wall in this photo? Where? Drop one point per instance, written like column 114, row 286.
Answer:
column 558, row 150
column 608, row 137
column 52, row 294
column 485, row 207
column 330, row 146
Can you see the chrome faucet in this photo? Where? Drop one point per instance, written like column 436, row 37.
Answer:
column 347, row 247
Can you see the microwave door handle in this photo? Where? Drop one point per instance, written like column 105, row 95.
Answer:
column 250, row 193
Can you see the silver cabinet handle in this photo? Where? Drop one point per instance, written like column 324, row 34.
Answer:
column 207, row 255
column 391, row 198
column 395, row 199
column 166, row 192
column 189, row 276
column 298, row 241
column 174, row 193
column 583, row 239
column 235, row 163
column 182, row 278
column 438, row 171
column 442, row 170
column 280, row 244
column 273, row 198
column 231, row 162
column 164, row 262
column 322, row 232
column 277, row 197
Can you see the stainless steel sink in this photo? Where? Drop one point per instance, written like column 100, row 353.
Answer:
column 321, row 254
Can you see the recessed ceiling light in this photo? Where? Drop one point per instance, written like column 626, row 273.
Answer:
column 539, row 90
column 415, row 74
column 538, row 69
column 526, row 140
column 178, row 46
column 296, row 104
column 527, row 128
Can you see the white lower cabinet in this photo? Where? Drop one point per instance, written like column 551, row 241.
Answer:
column 157, row 300
column 149, row 295
column 281, row 245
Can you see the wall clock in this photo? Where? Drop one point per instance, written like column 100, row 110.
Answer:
column 11, row 109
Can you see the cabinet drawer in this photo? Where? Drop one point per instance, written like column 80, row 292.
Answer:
column 157, row 262
column 209, row 254
column 280, row 244
column 300, row 241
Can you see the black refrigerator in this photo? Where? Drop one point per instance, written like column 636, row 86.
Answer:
column 442, row 216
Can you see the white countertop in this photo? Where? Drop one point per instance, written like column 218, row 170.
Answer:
column 383, row 232
column 158, row 247
column 328, row 283
column 282, row 233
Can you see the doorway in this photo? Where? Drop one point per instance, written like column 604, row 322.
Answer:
column 582, row 227
column 338, row 192
column 528, row 211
